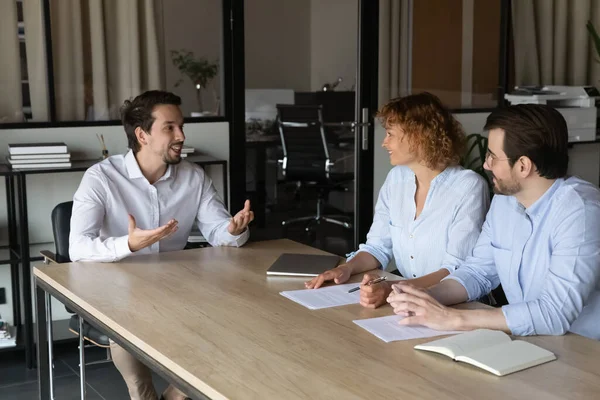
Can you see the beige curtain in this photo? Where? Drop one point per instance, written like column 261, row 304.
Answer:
column 11, row 98
column 35, row 49
column 105, row 51
column 551, row 43
column 394, row 59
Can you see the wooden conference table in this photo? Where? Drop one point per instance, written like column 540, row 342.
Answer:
column 212, row 322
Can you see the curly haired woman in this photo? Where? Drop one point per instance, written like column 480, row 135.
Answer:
column 430, row 210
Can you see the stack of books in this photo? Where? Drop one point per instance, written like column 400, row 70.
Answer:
column 38, row 155
column 8, row 335
column 186, row 150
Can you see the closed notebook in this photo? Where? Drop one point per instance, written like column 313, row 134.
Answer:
column 493, row 351
column 302, row 264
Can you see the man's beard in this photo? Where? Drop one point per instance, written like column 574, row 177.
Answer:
column 506, row 187
column 172, row 160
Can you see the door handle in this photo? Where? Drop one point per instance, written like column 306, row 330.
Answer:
column 364, row 129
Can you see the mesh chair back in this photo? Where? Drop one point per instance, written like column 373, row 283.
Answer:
column 305, row 152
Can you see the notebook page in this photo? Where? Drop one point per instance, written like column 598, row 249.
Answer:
column 330, row 296
column 509, row 357
column 466, row 342
column 388, row 329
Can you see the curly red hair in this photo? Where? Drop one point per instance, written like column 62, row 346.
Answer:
column 431, row 130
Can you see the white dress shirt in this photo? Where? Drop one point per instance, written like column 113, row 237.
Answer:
column 116, row 187
column 445, row 232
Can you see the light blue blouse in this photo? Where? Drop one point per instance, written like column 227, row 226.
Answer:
column 445, row 232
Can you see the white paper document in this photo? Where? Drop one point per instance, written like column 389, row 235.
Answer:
column 388, row 329
column 330, row 296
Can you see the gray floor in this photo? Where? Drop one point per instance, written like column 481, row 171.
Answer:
column 103, row 380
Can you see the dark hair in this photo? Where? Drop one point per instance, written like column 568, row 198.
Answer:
column 430, row 128
column 138, row 113
column 535, row 131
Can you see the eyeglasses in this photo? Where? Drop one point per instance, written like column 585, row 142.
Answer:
column 490, row 158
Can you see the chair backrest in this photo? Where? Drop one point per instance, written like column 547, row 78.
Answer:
column 61, row 227
column 305, row 152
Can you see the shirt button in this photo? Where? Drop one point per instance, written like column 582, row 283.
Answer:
column 414, row 275
column 410, row 236
column 411, row 257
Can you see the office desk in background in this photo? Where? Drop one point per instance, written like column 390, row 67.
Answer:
column 211, row 321
column 19, row 243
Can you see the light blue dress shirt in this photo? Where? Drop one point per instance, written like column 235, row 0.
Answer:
column 546, row 257
column 445, row 231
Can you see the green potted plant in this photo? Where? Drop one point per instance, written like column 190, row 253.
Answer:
column 474, row 157
column 595, row 38
column 200, row 71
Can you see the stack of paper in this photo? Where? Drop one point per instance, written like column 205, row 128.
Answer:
column 331, row 296
column 185, row 150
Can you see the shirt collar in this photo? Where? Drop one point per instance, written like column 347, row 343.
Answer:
column 134, row 171
column 543, row 202
column 442, row 176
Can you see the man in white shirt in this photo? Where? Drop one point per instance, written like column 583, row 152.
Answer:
column 147, row 201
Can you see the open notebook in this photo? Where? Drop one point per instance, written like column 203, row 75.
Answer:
column 493, row 351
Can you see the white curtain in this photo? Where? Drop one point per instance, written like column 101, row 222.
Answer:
column 105, row 51
column 11, row 98
column 394, row 57
column 551, row 43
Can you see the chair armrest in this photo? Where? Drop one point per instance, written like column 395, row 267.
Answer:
column 49, row 257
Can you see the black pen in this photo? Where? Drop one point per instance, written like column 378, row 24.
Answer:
column 372, row 281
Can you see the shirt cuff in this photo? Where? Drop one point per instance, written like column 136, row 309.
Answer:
column 518, row 319
column 469, row 284
column 450, row 268
column 236, row 240
column 122, row 249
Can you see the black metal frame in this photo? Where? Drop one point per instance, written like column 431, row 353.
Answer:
column 503, row 71
column 366, row 97
column 235, row 103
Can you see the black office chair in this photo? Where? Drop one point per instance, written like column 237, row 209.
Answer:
column 61, row 227
column 306, row 160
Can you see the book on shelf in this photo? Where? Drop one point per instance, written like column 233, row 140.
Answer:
column 8, row 335
column 187, row 149
column 58, row 156
column 13, row 161
column 37, row 148
column 493, row 351
column 42, row 165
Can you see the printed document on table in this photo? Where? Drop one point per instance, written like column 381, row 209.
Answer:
column 388, row 329
column 330, row 296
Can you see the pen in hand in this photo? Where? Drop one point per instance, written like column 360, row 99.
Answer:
column 372, row 281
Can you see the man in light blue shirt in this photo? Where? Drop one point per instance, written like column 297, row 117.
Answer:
column 540, row 240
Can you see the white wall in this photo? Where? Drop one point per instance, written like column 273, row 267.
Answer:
column 333, row 42
column 47, row 190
